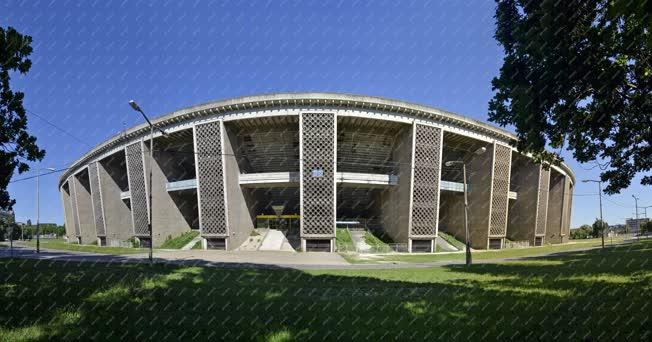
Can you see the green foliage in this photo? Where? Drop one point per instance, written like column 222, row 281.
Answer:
column 134, row 242
column 583, row 232
column 646, row 228
column 599, row 227
column 17, row 145
column 378, row 245
column 181, row 240
column 578, row 75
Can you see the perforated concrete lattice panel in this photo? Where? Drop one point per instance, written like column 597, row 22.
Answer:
column 73, row 204
column 318, row 150
column 427, row 164
column 137, row 188
column 500, row 190
column 96, row 195
column 210, row 176
column 542, row 203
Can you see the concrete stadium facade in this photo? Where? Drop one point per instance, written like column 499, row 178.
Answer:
column 308, row 162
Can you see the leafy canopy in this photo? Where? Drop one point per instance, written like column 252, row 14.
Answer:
column 578, row 74
column 16, row 145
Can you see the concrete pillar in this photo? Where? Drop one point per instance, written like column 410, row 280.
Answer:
column 555, row 219
column 395, row 210
column 426, row 175
column 318, row 155
column 117, row 213
column 480, row 185
column 211, row 191
column 522, row 214
column 67, row 211
column 542, row 206
column 499, row 205
column 138, row 189
column 83, row 202
column 241, row 221
column 96, row 197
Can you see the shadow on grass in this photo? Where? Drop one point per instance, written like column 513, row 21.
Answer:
column 579, row 295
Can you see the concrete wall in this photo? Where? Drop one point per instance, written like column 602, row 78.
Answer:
column 84, row 208
column 117, row 214
column 479, row 175
column 555, row 220
column 522, row 213
column 238, row 200
column 451, row 214
column 395, row 201
column 167, row 220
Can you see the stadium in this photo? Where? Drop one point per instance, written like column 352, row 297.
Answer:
column 304, row 164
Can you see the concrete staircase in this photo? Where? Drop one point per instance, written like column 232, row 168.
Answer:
column 274, row 240
column 357, row 236
column 253, row 242
column 192, row 243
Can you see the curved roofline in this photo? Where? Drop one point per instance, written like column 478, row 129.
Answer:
column 293, row 99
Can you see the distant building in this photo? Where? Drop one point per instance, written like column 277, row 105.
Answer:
column 633, row 225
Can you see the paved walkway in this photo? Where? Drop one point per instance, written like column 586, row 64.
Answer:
column 237, row 259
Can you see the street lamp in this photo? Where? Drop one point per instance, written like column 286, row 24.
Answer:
column 135, row 107
column 600, row 194
column 638, row 224
column 38, row 230
column 467, row 236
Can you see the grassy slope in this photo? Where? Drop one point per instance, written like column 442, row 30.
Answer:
column 343, row 239
column 577, row 296
column 452, row 240
column 377, row 244
column 62, row 245
column 181, row 240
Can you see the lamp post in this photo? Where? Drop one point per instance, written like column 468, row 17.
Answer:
column 38, row 230
column 135, row 107
column 638, row 224
column 467, row 235
column 600, row 194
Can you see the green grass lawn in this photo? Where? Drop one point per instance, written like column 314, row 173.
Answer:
column 62, row 245
column 479, row 255
column 587, row 295
column 181, row 240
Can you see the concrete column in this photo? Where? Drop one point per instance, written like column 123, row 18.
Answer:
column 566, row 207
column 318, row 167
column 426, row 175
column 96, row 196
column 479, row 169
column 395, row 211
column 117, row 213
column 542, row 206
column 555, row 219
column 522, row 215
column 138, row 189
column 85, row 217
column 500, row 177
column 211, row 192
column 239, row 202
column 67, row 211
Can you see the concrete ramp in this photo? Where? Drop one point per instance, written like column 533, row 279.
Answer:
column 275, row 241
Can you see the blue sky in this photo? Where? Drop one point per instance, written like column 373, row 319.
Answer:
column 91, row 57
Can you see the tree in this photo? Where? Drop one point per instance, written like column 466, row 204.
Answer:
column 16, row 145
column 578, row 74
column 582, row 232
column 646, row 227
column 599, row 227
